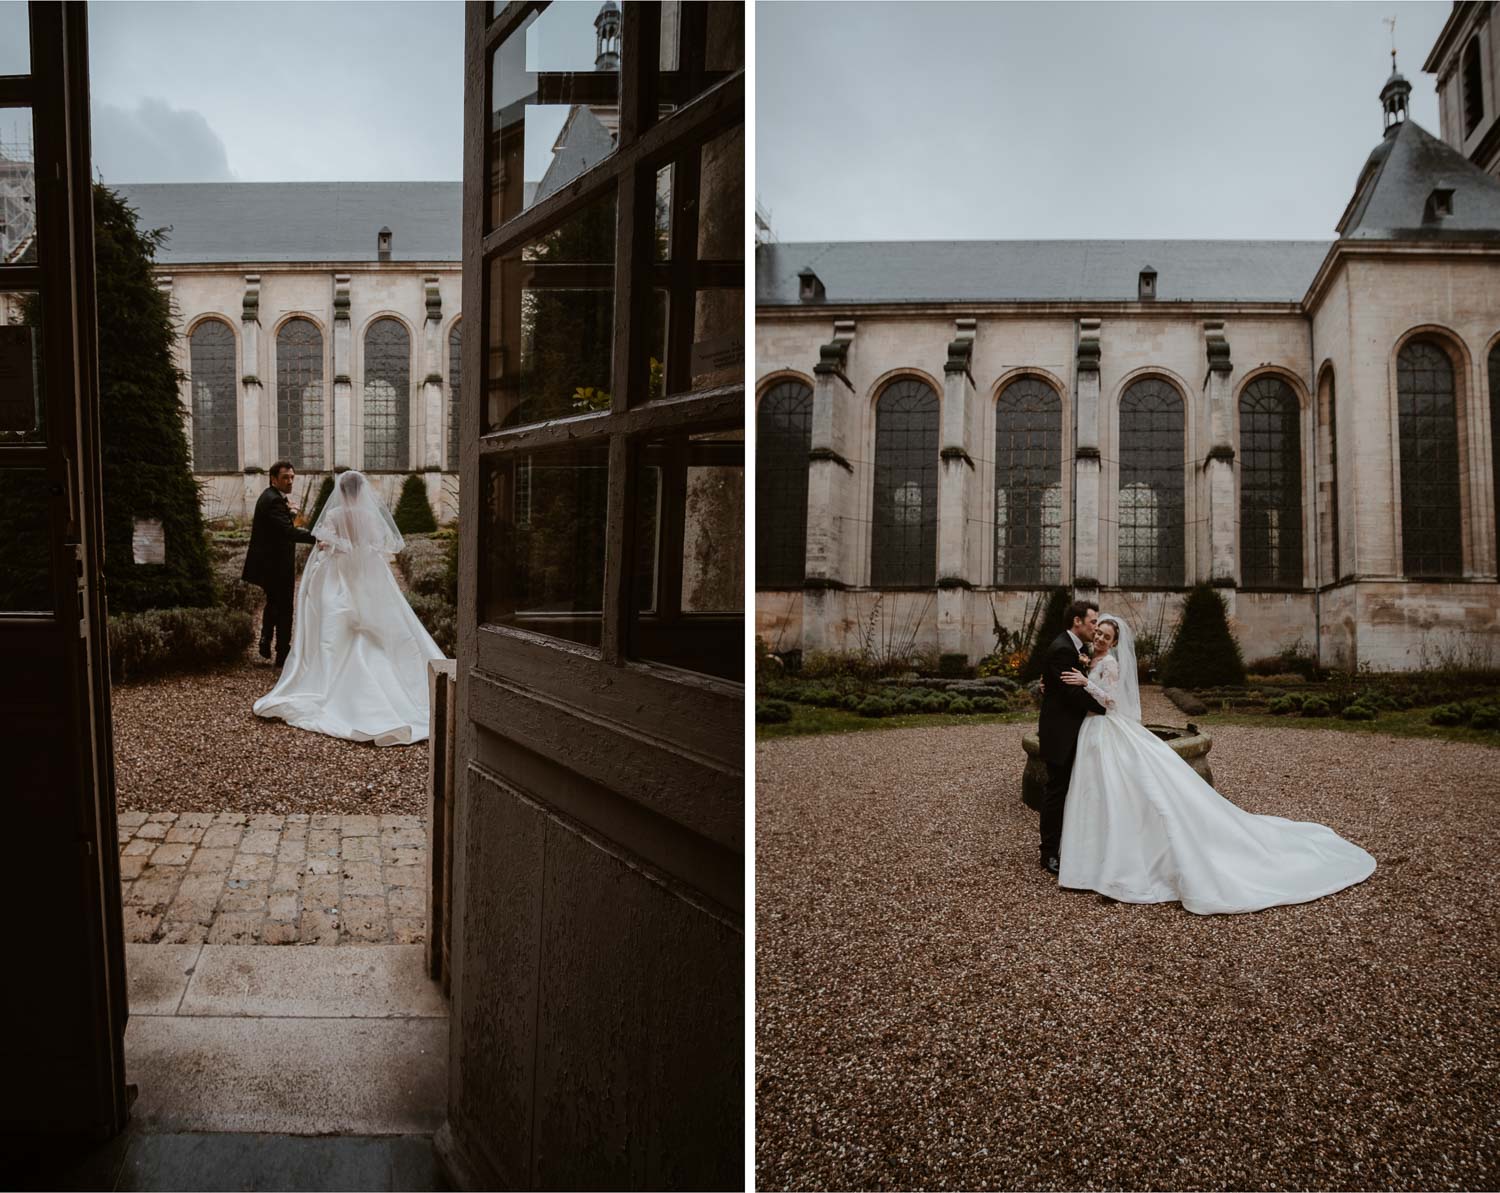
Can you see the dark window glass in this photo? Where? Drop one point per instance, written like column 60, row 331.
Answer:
column 689, row 584
column 553, row 322
column 701, row 42
column 1427, row 414
column 216, row 445
column 783, row 437
column 1495, row 430
column 1270, row 486
column 299, row 394
column 1330, row 421
column 387, row 416
column 555, row 85
column 455, row 388
column 1473, row 87
column 543, row 551
column 1028, row 484
column 22, row 410
column 904, row 553
column 1151, row 502
column 25, row 546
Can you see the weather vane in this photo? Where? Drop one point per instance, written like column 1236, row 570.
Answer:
column 1391, row 21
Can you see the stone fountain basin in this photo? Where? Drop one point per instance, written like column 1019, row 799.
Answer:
column 1190, row 743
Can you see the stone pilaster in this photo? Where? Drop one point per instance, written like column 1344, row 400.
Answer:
column 830, row 491
column 956, row 483
column 1218, row 468
column 342, row 410
column 257, row 426
column 428, row 433
column 1088, row 561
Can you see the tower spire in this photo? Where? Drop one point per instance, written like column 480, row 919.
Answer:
column 1397, row 91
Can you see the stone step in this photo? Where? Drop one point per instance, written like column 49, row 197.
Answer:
column 292, row 981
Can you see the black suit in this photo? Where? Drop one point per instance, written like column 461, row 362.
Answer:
column 271, row 562
column 1064, row 707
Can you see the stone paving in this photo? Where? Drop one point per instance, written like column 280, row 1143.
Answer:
column 232, row 878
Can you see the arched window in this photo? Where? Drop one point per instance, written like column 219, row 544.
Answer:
column 1151, row 510
column 1270, row 485
column 387, row 396
column 1427, row 414
column 455, row 378
column 783, row 437
column 1028, row 484
column 1473, row 87
column 1495, row 430
column 904, row 553
column 1328, row 417
column 299, row 394
column 216, row 441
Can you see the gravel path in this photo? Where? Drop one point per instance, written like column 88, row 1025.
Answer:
column 191, row 744
column 933, row 1012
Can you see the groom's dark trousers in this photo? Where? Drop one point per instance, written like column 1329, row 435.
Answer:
column 271, row 563
column 1064, row 707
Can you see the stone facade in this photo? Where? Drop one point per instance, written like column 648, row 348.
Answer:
column 317, row 292
column 1325, row 323
column 1466, row 61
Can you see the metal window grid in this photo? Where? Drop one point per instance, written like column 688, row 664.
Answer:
column 783, row 439
column 904, row 548
column 299, row 394
column 215, row 398
column 387, row 396
column 1152, row 530
column 1028, row 484
column 1427, row 415
column 1270, row 486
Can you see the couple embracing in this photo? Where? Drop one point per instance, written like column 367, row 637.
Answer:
column 1125, row 816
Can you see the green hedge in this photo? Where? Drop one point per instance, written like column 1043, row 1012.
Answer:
column 161, row 641
column 1204, row 653
column 413, row 515
column 439, row 618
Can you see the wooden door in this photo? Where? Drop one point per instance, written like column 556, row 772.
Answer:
column 598, row 918
column 64, row 992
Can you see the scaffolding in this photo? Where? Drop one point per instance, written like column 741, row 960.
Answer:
column 17, row 202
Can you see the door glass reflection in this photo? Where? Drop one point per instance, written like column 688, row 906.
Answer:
column 542, row 541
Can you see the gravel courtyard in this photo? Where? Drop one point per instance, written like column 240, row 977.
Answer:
column 933, row 1012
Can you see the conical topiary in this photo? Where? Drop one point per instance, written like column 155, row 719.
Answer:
column 1053, row 623
column 413, row 514
column 325, row 491
column 1204, row 653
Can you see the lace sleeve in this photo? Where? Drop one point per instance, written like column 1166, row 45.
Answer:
column 1102, row 683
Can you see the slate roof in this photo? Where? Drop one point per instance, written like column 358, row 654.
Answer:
column 238, row 222
column 855, row 272
column 1390, row 198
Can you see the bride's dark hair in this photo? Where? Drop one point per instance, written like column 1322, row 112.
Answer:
column 349, row 484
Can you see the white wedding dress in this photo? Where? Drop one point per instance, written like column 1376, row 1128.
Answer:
column 357, row 668
column 1141, row 826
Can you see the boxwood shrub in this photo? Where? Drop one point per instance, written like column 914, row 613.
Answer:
column 162, row 641
column 1315, row 707
column 772, row 712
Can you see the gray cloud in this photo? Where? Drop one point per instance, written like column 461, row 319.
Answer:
column 157, row 143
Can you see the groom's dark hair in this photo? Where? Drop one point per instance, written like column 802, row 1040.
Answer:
column 279, row 467
column 1078, row 611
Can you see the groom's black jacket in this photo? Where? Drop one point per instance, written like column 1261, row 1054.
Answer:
column 271, row 559
column 1063, row 705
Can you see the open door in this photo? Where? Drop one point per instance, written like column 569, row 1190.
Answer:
column 598, row 918
column 64, row 997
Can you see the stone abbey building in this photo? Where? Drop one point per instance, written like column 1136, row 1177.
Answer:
column 946, row 429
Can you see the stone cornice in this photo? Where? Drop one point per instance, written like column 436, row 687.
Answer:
column 1453, row 27
column 1386, row 250
column 1159, row 309
column 239, row 268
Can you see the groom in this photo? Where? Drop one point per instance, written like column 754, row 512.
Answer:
column 271, row 560
column 1063, row 708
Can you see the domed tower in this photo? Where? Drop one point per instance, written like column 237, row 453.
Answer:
column 607, row 37
column 1394, row 96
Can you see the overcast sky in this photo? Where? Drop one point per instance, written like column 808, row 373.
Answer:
column 277, row 92
column 887, row 121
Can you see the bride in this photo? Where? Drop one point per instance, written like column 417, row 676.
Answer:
column 1141, row 826
column 358, row 664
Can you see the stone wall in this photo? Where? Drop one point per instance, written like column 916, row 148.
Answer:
column 424, row 297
